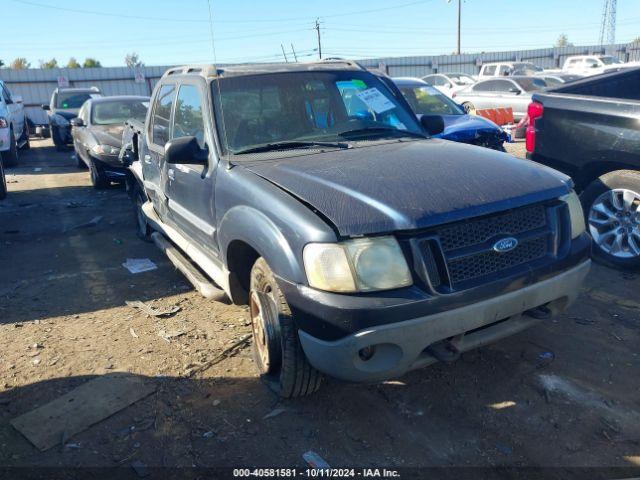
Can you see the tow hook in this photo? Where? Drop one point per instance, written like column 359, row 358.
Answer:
column 541, row 313
column 445, row 351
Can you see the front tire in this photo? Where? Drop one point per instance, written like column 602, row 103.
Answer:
column 143, row 231
column 3, row 182
column 98, row 179
column 469, row 108
column 57, row 139
column 276, row 347
column 612, row 213
column 26, row 143
column 11, row 157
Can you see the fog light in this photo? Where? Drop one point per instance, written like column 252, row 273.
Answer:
column 366, row 353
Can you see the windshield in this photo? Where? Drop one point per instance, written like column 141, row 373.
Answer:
column 525, row 68
column 307, row 107
column 119, row 111
column 427, row 100
column 461, row 79
column 72, row 99
column 609, row 60
column 531, row 84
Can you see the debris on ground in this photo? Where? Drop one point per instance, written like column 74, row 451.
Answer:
column 153, row 311
column 227, row 352
column 274, row 413
column 139, row 265
column 168, row 336
column 82, row 407
column 133, row 332
column 314, row 460
column 91, row 223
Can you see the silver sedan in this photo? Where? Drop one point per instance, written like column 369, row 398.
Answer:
column 514, row 92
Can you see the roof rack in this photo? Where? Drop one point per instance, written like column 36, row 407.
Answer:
column 204, row 70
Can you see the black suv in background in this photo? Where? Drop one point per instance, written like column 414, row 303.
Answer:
column 64, row 106
column 363, row 248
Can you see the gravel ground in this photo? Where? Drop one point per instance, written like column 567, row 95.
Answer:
column 562, row 394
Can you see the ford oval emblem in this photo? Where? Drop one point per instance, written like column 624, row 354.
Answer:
column 505, row 245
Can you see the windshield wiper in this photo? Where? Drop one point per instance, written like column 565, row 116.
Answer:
column 291, row 145
column 380, row 131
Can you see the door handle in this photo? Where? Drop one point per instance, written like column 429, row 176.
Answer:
column 147, row 159
column 171, row 174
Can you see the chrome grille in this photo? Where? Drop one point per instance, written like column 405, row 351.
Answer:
column 473, row 232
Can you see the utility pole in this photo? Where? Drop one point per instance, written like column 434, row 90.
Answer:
column 293, row 50
column 459, row 22
column 317, row 27
column 284, row 54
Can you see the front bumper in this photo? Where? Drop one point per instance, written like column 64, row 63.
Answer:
column 401, row 346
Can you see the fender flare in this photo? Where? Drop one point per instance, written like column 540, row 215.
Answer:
column 246, row 224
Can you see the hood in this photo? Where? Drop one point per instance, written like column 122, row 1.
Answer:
column 108, row 134
column 410, row 185
column 466, row 126
column 67, row 113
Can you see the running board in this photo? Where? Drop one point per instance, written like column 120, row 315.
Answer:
column 182, row 263
column 214, row 270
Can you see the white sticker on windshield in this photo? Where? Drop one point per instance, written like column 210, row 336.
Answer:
column 375, row 100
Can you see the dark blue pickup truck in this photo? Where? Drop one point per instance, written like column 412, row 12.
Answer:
column 363, row 248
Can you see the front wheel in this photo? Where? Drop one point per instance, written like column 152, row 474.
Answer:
column 11, row 157
column 612, row 210
column 143, row 231
column 26, row 143
column 98, row 178
column 469, row 108
column 3, row 182
column 276, row 346
column 56, row 136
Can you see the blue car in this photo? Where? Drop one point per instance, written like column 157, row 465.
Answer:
column 458, row 126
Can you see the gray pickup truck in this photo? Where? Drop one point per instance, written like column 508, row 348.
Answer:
column 363, row 248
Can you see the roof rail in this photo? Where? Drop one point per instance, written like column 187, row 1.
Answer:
column 353, row 63
column 204, row 70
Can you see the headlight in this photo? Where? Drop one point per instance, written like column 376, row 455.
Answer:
column 576, row 214
column 105, row 150
column 3, row 122
column 360, row 265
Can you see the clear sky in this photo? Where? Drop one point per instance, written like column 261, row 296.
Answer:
column 165, row 32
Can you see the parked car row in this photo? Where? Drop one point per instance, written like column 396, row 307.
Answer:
column 363, row 248
column 14, row 129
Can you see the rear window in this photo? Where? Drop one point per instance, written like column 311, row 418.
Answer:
column 118, row 111
column 490, row 70
column 73, row 99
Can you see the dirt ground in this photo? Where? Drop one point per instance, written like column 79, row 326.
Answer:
column 563, row 394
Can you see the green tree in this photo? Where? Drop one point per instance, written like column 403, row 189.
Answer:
column 132, row 60
column 53, row 63
column 563, row 41
column 73, row 63
column 1, row 64
column 91, row 63
column 20, row 63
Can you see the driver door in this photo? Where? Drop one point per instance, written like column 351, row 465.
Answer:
column 190, row 188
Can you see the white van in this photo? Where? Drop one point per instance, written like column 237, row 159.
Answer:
column 14, row 132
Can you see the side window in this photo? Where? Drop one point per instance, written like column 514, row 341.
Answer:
column 490, row 70
column 483, row 86
column 81, row 113
column 5, row 93
column 160, row 122
column 502, row 86
column 440, row 81
column 430, row 79
column 591, row 63
column 187, row 119
column 504, row 70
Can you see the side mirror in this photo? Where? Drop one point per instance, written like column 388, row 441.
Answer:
column 185, row 150
column 77, row 122
column 45, row 107
column 433, row 124
column 17, row 99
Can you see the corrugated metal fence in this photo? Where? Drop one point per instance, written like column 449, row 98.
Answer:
column 36, row 85
column 547, row 58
